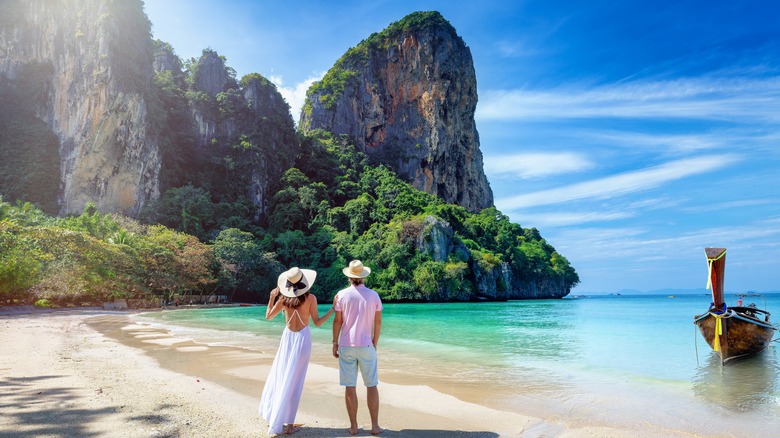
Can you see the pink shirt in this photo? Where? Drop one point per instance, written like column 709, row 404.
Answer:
column 358, row 306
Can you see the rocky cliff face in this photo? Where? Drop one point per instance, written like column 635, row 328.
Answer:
column 210, row 78
column 407, row 96
column 245, row 123
column 277, row 145
column 99, row 58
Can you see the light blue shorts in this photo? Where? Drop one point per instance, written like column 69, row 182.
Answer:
column 353, row 358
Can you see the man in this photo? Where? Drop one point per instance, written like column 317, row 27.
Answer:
column 356, row 330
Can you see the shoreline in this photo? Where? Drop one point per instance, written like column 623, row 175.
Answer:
column 90, row 371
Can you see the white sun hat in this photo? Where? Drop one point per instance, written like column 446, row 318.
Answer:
column 356, row 270
column 296, row 282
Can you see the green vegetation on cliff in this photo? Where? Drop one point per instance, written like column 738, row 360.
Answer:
column 413, row 22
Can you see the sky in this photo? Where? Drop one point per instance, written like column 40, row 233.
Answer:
column 631, row 134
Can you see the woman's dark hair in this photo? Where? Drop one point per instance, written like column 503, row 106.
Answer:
column 294, row 302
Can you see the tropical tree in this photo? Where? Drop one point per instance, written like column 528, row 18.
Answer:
column 238, row 253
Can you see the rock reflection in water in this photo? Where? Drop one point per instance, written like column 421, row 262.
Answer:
column 744, row 385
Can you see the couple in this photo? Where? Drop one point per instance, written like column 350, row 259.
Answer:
column 356, row 330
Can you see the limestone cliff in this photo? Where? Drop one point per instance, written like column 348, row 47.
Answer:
column 98, row 55
column 407, row 96
column 244, row 125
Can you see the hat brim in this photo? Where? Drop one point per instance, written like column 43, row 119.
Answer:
column 307, row 278
column 364, row 274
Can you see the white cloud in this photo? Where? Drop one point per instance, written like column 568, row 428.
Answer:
column 535, row 165
column 621, row 184
column 562, row 219
column 516, row 49
column 635, row 243
column 296, row 95
column 683, row 143
column 733, row 205
column 699, row 98
column 600, row 213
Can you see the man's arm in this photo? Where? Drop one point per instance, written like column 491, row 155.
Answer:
column 337, row 321
column 377, row 327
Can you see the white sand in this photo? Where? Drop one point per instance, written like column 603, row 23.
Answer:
column 97, row 373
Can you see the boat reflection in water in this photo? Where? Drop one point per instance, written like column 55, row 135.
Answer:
column 746, row 385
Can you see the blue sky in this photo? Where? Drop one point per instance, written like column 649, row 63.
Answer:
column 631, row 134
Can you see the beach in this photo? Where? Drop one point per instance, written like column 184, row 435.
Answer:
column 103, row 373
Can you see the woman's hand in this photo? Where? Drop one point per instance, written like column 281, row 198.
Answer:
column 274, row 293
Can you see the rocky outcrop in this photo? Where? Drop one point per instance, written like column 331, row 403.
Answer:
column 407, row 97
column 210, row 75
column 210, row 78
column 436, row 239
column 165, row 59
column 99, row 58
column 492, row 281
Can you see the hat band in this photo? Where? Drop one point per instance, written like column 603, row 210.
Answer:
column 297, row 285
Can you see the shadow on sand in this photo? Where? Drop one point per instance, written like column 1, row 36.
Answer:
column 45, row 411
column 36, row 406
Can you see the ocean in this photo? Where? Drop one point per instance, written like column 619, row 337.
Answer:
column 611, row 360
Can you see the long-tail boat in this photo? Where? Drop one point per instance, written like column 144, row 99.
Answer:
column 732, row 332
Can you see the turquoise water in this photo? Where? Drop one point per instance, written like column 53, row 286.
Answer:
column 613, row 355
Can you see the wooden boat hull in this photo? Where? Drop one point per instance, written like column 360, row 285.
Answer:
column 741, row 334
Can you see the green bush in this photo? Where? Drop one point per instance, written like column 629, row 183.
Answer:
column 43, row 303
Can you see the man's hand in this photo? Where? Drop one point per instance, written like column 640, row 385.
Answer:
column 336, row 350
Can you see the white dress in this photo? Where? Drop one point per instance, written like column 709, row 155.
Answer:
column 283, row 388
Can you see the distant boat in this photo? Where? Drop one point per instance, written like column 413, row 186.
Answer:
column 732, row 332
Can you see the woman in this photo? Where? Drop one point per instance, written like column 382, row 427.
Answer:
column 282, row 391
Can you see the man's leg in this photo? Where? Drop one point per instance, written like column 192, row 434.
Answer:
column 372, row 396
column 350, row 397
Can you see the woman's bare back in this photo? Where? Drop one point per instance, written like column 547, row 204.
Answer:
column 300, row 321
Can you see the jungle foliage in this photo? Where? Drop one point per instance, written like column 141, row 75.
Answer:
column 92, row 258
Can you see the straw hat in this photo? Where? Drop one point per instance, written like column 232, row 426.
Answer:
column 296, row 282
column 356, row 270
